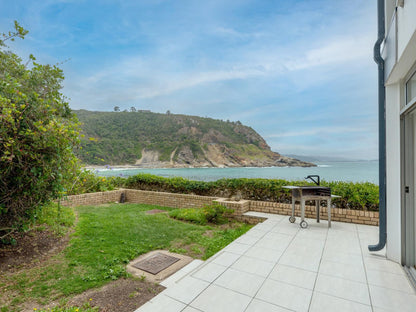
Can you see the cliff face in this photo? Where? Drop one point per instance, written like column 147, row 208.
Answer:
column 148, row 139
column 218, row 155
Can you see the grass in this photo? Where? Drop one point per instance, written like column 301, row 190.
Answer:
column 105, row 239
column 56, row 217
column 85, row 308
column 189, row 214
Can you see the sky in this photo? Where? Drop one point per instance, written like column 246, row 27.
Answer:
column 300, row 73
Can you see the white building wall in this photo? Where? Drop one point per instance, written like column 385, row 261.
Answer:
column 406, row 25
column 393, row 170
column 404, row 61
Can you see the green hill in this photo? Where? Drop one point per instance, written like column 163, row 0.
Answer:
column 149, row 139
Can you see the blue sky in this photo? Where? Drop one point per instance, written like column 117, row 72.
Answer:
column 299, row 72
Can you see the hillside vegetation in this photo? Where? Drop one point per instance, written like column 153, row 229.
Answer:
column 151, row 139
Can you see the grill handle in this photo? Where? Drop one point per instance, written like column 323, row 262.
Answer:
column 311, row 177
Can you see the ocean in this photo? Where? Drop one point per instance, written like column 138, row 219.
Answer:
column 351, row 171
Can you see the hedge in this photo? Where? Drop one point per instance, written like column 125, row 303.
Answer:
column 357, row 196
column 354, row 195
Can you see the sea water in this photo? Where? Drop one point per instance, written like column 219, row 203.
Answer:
column 351, row 171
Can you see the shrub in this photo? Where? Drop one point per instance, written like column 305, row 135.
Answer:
column 359, row 196
column 38, row 133
column 194, row 215
column 215, row 213
column 57, row 217
column 87, row 182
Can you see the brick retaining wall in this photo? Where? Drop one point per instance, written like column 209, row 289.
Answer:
column 173, row 200
column 92, row 198
column 240, row 207
column 337, row 214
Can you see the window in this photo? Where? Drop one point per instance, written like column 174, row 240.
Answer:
column 411, row 89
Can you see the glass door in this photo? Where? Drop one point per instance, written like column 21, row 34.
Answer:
column 409, row 189
column 408, row 130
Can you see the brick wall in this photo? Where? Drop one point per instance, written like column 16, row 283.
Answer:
column 240, row 207
column 92, row 198
column 249, row 219
column 167, row 199
column 337, row 214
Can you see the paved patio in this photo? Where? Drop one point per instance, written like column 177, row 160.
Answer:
column 277, row 266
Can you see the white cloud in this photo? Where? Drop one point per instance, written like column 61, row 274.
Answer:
column 334, row 51
column 232, row 33
column 316, row 131
column 138, row 78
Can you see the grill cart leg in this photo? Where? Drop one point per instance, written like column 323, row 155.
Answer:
column 318, row 207
column 329, row 211
column 303, row 224
column 292, row 218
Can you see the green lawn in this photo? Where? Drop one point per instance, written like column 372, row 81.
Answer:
column 107, row 237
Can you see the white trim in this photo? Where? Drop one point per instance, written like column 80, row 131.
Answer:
column 408, row 78
column 410, row 73
column 408, row 107
column 411, row 275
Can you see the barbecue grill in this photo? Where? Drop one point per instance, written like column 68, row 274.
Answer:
column 316, row 193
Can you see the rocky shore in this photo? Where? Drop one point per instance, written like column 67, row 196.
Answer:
column 219, row 162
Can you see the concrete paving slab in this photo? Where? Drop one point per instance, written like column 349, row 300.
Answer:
column 241, row 282
column 218, row 299
column 285, row 295
column 278, row 267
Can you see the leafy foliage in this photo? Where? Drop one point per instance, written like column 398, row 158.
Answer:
column 38, row 133
column 58, row 218
column 216, row 214
column 359, row 196
column 87, row 182
column 194, row 215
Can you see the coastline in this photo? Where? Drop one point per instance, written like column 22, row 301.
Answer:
column 132, row 167
column 364, row 171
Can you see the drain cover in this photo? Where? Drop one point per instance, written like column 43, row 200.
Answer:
column 156, row 263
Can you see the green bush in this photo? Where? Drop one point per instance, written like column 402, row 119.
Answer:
column 87, row 182
column 194, row 215
column 358, row 196
column 215, row 213
column 56, row 217
column 38, row 133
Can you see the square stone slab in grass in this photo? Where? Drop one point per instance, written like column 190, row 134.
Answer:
column 157, row 265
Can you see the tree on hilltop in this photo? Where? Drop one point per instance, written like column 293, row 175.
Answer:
column 38, row 132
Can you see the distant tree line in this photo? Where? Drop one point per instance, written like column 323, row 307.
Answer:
column 131, row 109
